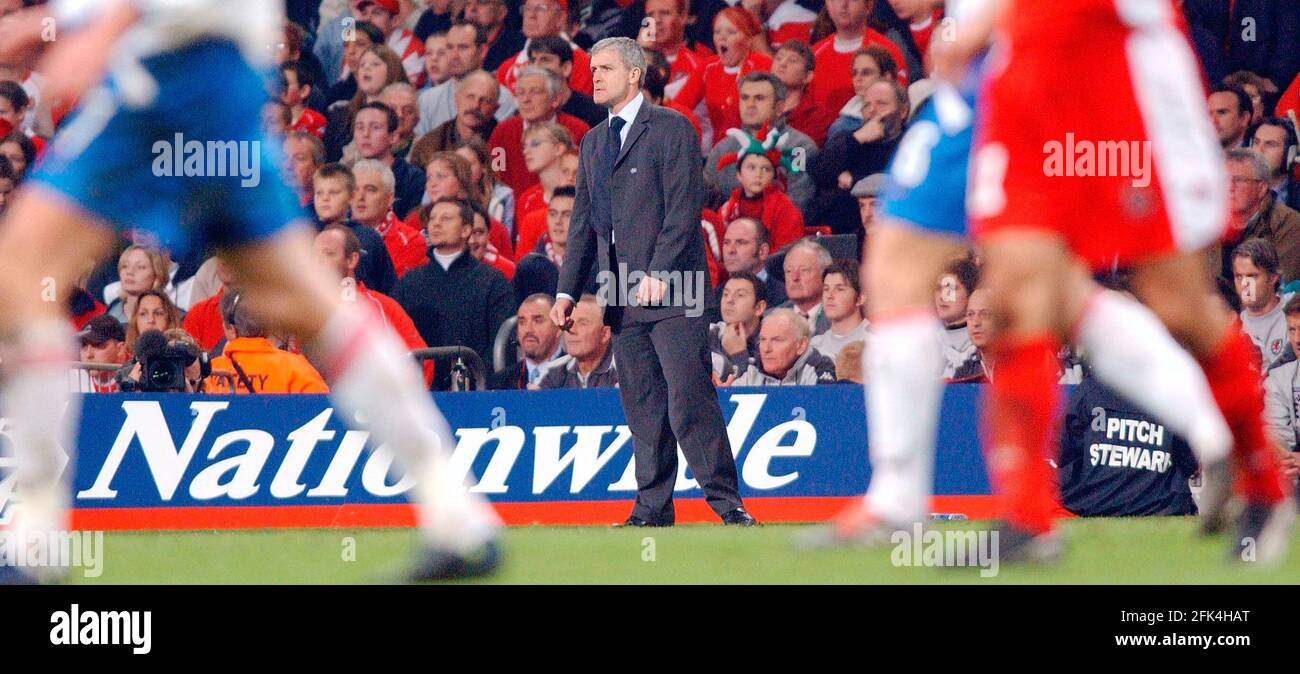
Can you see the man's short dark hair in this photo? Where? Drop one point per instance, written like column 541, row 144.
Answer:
column 466, row 210
column 1287, row 128
column 371, row 30
column 657, row 73
column 882, row 57
column 760, row 288
column 1292, row 307
column 551, row 44
column 337, row 170
column 565, row 191
column 779, row 90
column 849, row 270
column 300, row 73
column 480, row 38
column 351, row 244
column 388, row 112
column 235, row 314
column 480, row 210
column 24, row 143
column 15, row 94
column 804, row 51
column 1261, row 252
column 7, row 171
column 968, row 275
column 1244, row 104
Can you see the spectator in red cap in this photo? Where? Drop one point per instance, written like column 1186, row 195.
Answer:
column 833, row 86
column 543, row 18
column 538, row 93
column 103, row 341
column 384, row 14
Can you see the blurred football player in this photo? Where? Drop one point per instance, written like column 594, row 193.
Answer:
column 1065, row 181
column 151, row 73
column 920, row 231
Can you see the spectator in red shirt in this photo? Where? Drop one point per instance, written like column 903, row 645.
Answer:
column 339, row 250
column 372, row 206
column 666, row 34
column 784, row 20
column 734, row 31
column 294, row 90
column 759, row 198
column 835, row 53
column 538, row 94
column 794, row 64
column 203, row 320
column 545, row 147
column 656, row 78
column 922, row 18
column 543, row 18
column 480, row 245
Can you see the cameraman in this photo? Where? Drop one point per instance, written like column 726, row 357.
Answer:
column 257, row 366
column 165, row 362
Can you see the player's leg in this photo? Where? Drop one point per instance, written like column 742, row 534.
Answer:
column 46, row 244
column 1032, row 294
column 903, row 373
column 1178, row 289
column 1131, row 351
column 373, row 380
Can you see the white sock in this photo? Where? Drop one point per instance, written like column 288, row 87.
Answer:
column 373, row 375
column 903, row 371
column 1133, row 353
column 43, row 413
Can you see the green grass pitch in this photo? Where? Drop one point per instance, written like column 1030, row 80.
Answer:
column 1137, row 550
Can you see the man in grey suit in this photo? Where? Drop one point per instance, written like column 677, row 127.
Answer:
column 636, row 220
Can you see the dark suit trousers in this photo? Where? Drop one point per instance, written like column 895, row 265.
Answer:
column 668, row 398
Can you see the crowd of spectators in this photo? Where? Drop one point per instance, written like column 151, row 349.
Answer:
column 434, row 145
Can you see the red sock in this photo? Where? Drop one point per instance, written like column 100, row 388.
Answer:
column 1019, row 412
column 1235, row 382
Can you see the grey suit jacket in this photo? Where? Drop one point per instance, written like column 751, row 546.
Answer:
column 658, row 193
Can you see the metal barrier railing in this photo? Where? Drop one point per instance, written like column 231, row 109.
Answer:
column 468, row 372
column 228, row 378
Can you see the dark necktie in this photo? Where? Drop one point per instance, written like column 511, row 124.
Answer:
column 602, row 211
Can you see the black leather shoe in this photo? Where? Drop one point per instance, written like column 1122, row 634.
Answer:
column 439, row 564
column 634, row 521
column 739, row 517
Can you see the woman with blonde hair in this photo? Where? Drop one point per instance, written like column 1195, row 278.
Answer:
column 139, row 268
